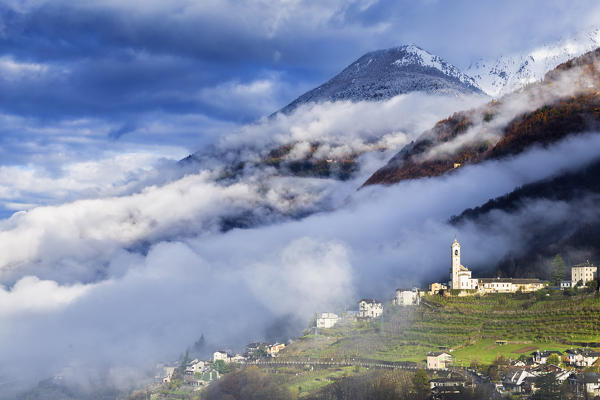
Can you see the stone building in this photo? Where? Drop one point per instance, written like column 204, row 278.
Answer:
column 327, row 320
column 407, row 297
column 461, row 279
column 369, row 308
column 461, row 276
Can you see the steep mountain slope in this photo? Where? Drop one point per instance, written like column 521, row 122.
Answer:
column 509, row 73
column 383, row 74
column 566, row 102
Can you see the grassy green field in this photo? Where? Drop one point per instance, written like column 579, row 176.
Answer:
column 467, row 325
column 309, row 381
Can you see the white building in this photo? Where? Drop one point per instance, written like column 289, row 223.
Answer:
column 369, row 308
column 583, row 273
column 195, row 366
column 407, row 297
column 508, row 285
column 274, row 349
column 461, row 275
column 327, row 320
column 582, row 357
column 221, row 355
column 541, row 357
column 438, row 360
column 565, row 284
column 238, row 358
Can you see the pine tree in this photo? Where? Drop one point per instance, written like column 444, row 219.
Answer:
column 558, row 269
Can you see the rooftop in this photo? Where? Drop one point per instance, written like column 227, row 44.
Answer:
column 510, row 280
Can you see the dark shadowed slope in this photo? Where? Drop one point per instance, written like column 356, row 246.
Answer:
column 554, row 216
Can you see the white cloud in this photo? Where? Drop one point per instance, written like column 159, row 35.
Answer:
column 30, row 294
column 10, row 69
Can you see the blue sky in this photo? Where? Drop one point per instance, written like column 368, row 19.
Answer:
column 92, row 81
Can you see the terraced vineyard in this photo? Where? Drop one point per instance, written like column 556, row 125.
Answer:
column 469, row 326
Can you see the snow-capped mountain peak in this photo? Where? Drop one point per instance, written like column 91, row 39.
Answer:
column 382, row 74
column 416, row 55
column 511, row 72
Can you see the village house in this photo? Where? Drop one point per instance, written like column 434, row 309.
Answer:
column 252, row 348
column 522, row 380
column 195, row 366
column 587, row 382
column 438, row 360
column 582, row 357
column 583, row 273
column 541, row 357
column 515, row 380
column 565, row 285
column 326, row 320
column 436, row 288
column 238, row 358
column 508, row 285
column 221, row 355
column 369, row 308
column 461, row 279
column 274, row 349
column 407, row 297
column 449, row 385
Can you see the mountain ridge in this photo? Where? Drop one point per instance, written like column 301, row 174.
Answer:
column 382, row 74
column 505, row 74
column 472, row 136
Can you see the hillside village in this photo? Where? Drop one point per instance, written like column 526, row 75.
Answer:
column 519, row 376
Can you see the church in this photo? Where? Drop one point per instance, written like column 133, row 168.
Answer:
column 461, row 279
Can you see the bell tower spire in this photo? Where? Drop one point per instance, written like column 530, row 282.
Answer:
column 455, row 264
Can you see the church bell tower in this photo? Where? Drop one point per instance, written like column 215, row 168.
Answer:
column 455, row 264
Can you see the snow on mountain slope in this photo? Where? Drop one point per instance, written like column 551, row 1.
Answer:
column 383, row 74
column 509, row 73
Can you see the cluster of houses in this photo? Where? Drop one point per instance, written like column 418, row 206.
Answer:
column 199, row 373
column 367, row 309
column 522, row 375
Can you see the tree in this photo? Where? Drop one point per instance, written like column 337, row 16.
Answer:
column 523, row 358
column 558, row 269
column 199, row 345
column 592, row 285
column 549, row 388
column 248, row 384
column 420, row 382
column 221, row 367
column 553, row 359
